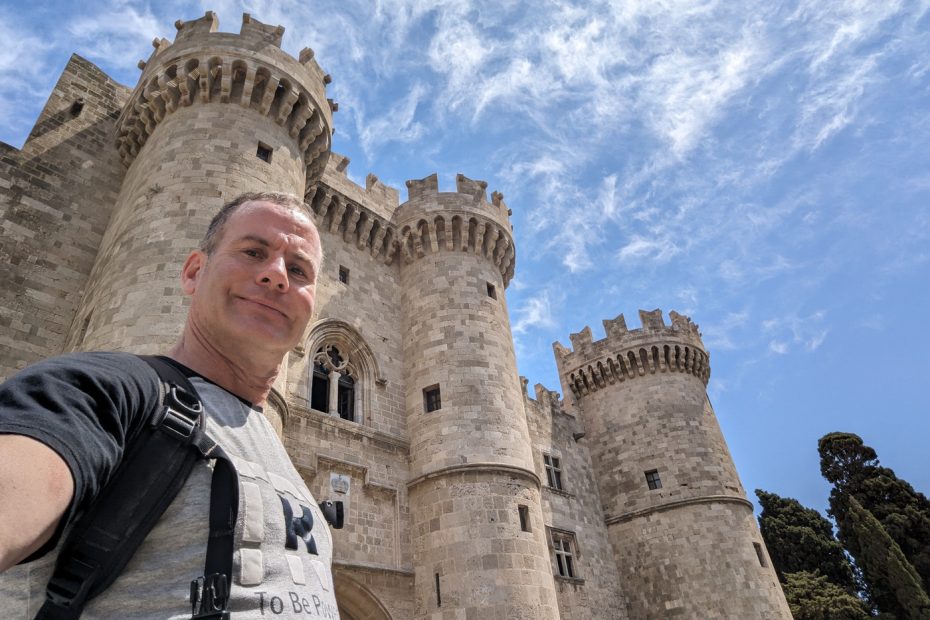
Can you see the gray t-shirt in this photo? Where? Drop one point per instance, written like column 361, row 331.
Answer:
column 283, row 546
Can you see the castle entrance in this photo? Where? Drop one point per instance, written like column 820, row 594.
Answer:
column 356, row 602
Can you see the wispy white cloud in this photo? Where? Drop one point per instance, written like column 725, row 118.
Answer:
column 685, row 93
column 120, row 31
column 781, row 348
column 722, row 335
column 806, row 332
column 24, row 69
column 536, row 312
column 397, row 124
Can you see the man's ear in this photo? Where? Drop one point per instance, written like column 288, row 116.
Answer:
column 190, row 272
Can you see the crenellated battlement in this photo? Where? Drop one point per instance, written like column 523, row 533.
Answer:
column 379, row 198
column 204, row 66
column 461, row 221
column 468, row 193
column 629, row 353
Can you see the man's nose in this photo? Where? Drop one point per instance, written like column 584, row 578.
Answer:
column 274, row 273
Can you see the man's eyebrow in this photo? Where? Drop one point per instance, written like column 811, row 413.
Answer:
column 256, row 239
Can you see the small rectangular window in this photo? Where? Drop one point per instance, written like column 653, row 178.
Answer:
column 431, row 398
column 553, row 471
column 264, row 152
column 343, row 274
column 563, row 546
column 653, row 480
column 524, row 518
column 760, row 554
column 492, row 292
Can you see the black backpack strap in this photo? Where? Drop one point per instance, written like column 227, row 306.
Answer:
column 155, row 466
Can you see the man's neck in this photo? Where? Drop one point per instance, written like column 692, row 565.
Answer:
column 249, row 377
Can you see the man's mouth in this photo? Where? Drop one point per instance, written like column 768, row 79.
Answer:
column 265, row 305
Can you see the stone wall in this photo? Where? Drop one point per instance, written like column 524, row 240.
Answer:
column 682, row 530
column 596, row 592
column 471, row 460
column 56, row 197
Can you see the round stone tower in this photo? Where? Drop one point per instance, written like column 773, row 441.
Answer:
column 213, row 115
column 471, row 466
column 682, row 531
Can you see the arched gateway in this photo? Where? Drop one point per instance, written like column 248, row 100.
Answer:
column 356, row 602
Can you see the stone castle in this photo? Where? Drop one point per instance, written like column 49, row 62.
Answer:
column 465, row 497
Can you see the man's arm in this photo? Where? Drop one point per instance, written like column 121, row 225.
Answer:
column 36, row 487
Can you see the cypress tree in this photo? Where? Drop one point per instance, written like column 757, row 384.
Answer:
column 814, row 597
column 893, row 583
column 800, row 539
column 904, row 513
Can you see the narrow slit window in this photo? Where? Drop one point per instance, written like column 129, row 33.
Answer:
column 652, row 479
column 524, row 512
column 492, row 291
column 760, row 554
column 264, row 152
column 343, row 274
column 432, row 401
column 438, row 594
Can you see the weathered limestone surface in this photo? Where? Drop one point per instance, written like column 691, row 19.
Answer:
column 114, row 187
column 56, row 197
column 687, row 548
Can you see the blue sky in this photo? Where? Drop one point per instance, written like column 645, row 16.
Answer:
column 761, row 167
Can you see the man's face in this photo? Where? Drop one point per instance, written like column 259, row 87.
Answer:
column 257, row 288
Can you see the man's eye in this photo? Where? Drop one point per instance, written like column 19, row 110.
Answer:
column 298, row 271
column 252, row 253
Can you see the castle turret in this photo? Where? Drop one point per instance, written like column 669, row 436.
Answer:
column 470, row 452
column 213, row 115
column 681, row 528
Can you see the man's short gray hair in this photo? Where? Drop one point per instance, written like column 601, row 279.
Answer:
column 215, row 230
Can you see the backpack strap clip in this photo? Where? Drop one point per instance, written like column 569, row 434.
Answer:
column 180, row 414
column 71, row 584
column 209, row 596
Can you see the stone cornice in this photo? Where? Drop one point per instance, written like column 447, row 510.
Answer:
column 465, row 468
column 707, row 499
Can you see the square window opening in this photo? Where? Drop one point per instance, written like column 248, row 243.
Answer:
column 492, row 291
column 524, row 512
column 563, row 546
column 653, row 481
column 432, row 401
column 343, row 274
column 264, row 152
column 553, row 471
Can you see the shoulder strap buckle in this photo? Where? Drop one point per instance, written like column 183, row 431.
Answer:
column 181, row 413
column 209, row 596
column 70, row 584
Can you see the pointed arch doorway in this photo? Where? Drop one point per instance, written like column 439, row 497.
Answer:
column 356, row 602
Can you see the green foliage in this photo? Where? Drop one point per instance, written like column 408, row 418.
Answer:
column 904, row 513
column 893, row 583
column 814, row 597
column 800, row 540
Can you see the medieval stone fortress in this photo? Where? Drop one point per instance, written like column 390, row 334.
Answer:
column 465, row 497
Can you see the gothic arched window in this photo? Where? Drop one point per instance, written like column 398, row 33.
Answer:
column 333, row 387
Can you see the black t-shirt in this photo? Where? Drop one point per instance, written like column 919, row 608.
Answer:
column 86, row 407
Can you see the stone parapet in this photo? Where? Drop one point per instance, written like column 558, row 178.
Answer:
column 626, row 354
column 462, row 221
column 248, row 69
